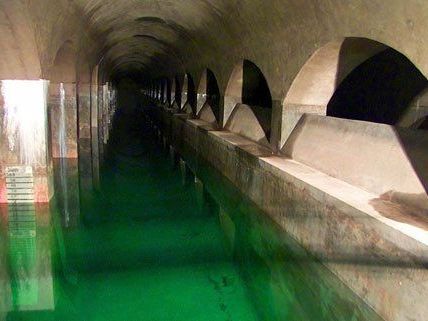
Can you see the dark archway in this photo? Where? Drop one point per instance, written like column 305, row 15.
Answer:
column 379, row 90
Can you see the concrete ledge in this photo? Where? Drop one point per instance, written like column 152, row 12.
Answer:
column 378, row 158
column 382, row 259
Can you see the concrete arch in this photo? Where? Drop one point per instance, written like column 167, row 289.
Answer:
column 208, row 98
column 379, row 90
column 18, row 46
column 248, row 103
column 316, row 82
column 64, row 66
column 62, row 103
column 321, row 76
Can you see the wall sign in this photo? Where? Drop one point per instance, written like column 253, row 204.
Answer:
column 20, row 184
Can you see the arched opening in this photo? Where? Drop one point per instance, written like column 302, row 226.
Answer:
column 208, row 98
column 379, row 90
column 248, row 103
column 361, row 79
column 188, row 97
column 355, row 78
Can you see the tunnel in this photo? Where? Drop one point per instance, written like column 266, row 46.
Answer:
column 213, row 160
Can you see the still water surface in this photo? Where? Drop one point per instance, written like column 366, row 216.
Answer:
column 158, row 243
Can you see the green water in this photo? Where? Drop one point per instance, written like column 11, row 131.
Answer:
column 157, row 243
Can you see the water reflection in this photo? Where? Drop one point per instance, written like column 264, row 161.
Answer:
column 66, row 178
column 29, row 257
column 5, row 298
column 282, row 280
column 154, row 249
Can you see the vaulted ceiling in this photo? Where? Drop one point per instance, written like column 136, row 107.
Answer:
column 158, row 34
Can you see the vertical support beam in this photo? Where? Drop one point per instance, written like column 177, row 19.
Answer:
column 85, row 152
column 100, row 122
column 94, row 129
column 24, row 139
column 62, row 106
column 106, row 102
column 276, row 126
column 63, row 141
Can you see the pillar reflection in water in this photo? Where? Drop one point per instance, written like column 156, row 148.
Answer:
column 5, row 298
column 30, row 257
column 67, row 190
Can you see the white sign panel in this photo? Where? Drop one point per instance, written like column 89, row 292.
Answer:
column 19, row 184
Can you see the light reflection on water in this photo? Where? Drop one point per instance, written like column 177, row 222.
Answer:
column 161, row 243
column 28, row 270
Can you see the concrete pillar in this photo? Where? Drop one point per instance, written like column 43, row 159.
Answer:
column 24, row 148
column 94, row 129
column 64, row 145
column 276, row 126
column 62, row 106
column 106, row 104
column 84, row 134
column 100, row 103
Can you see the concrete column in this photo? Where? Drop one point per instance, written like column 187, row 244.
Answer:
column 220, row 120
column 62, row 106
column 85, row 150
column 63, row 140
column 276, row 126
column 106, row 102
column 24, row 148
column 94, row 130
column 100, row 103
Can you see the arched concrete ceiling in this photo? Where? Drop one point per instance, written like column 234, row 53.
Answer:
column 173, row 37
column 155, row 33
